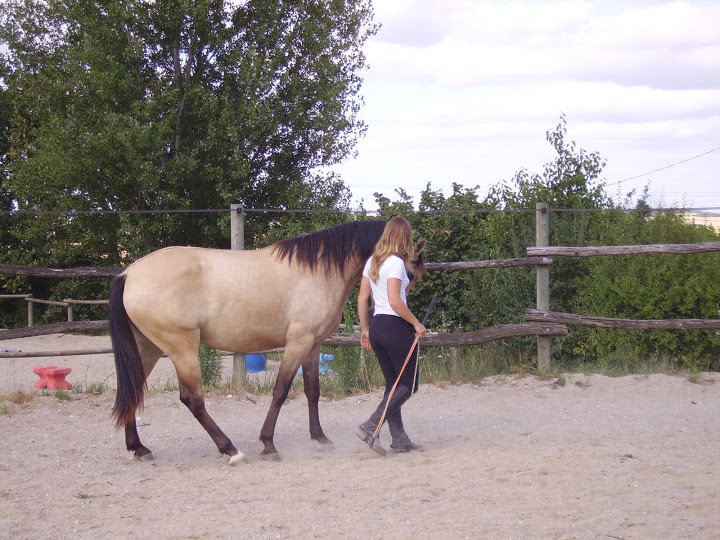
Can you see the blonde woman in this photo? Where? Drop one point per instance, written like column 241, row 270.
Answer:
column 392, row 330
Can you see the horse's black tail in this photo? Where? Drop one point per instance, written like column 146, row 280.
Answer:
column 128, row 363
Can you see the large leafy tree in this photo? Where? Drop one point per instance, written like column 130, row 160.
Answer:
column 176, row 104
column 139, row 105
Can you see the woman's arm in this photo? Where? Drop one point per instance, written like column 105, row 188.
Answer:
column 364, row 313
column 399, row 307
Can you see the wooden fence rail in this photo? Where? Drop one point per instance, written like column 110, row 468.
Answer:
column 625, row 324
column 67, row 303
column 459, row 339
column 100, row 271
column 55, row 328
column 501, row 263
column 645, row 249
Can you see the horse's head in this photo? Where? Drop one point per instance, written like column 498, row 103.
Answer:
column 415, row 267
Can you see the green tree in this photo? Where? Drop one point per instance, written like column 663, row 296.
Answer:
column 571, row 181
column 454, row 227
column 176, row 104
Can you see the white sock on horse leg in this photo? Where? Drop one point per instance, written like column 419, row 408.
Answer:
column 238, row 460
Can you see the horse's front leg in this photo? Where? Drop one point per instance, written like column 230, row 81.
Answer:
column 295, row 354
column 311, row 380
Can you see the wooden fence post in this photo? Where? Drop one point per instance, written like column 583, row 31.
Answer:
column 30, row 310
column 457, row 359
column 237, row 241
column 542, row 239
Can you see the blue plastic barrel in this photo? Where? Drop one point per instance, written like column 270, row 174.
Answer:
column 324, row 360
column 255, row 363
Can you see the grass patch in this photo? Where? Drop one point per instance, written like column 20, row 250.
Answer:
column 18, row 397
column 470, row 364
column 96, row 388
column 62, row 395
column 355, row 371
column 170, row 385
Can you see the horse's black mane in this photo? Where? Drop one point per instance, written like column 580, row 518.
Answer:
column 332, row 247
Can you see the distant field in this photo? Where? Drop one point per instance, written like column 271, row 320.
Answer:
column 713, row 221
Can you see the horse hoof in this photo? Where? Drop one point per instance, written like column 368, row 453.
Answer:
column 325, row 446
column 323, row 440
column 270, row 457
column 238, row 460
column 144, row 457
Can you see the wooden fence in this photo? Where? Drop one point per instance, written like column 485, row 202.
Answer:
column 68, row 303
column 540, row 322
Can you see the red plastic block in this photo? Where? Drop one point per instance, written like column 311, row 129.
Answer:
column 42, row 373
column 52, row 377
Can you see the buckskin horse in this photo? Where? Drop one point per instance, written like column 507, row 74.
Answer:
column 287, row 295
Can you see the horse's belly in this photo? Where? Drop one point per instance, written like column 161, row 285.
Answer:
column 241, row 337
column 264, row 330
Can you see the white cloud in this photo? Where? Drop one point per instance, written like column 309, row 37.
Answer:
column 469, row 43
column 462, row 89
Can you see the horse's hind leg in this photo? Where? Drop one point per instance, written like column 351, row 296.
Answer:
column 150, row 355
column 133, row 444
column 193, row 397
column 311, row 381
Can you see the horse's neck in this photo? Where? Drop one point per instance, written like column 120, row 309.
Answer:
column 352, row 274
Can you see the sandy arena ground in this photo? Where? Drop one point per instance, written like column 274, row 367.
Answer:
column 511, row 458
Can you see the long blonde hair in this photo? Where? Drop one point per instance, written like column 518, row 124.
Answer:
column 396, row 239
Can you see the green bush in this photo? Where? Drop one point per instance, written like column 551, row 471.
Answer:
column 211, row 367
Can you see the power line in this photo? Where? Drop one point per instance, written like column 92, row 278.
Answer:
column 666, row 167
column 72, row 213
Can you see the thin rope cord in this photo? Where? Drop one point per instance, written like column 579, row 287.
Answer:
column 417, row 368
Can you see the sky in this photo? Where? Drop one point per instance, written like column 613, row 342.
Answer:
column 464, row 91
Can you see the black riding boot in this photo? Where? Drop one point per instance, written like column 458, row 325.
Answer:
column 367, row 428
column 400, row 441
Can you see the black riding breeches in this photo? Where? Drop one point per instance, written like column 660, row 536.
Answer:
column 391, row 338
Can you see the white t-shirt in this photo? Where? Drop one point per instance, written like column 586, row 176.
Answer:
column 392, row 267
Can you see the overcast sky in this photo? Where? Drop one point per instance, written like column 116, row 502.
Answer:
column 464, row 91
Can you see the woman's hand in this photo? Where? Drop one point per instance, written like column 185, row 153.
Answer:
column 365, row 340
column 420, row 329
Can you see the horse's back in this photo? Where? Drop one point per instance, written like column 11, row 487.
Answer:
column 237, row 300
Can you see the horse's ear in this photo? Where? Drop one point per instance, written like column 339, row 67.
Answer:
column 415, row 267
column 419, row 247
